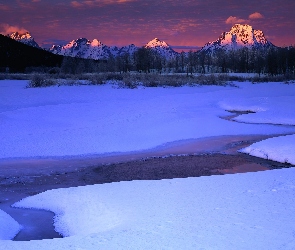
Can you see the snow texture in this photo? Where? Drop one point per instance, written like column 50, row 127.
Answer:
column 8, row 226
column 87, row 120
column 241, row 211
column 274, row 105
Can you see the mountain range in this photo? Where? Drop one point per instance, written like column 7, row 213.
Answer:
column 239, row 36
column 83, row 48
column 95, row 49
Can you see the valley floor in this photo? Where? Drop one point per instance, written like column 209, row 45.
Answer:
column 74, row 151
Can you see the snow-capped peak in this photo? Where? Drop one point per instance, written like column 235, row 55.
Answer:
column 161, row 48
column 96, row 42
column 18, row 36
column 83, row 48
column 247, row 35
column 95, row 49
column 239, row 36
column 25, row 38
column 156, row 43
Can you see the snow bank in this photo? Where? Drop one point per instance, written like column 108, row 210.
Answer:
column 273, row 103
column 94, row 214
column 281, row 149
column 9, row 227
column 241, row 211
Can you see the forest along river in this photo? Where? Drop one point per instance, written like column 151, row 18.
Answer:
column 189, row 158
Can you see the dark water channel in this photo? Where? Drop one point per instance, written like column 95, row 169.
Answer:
column 36, row 224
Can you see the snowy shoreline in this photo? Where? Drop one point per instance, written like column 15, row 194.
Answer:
column 222, row 159
column 175, row 213
column 44, row 165
column 190, row 212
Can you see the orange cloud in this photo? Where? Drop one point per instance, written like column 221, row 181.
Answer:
column 255, row 15
column 235, row 20
column 8, row 29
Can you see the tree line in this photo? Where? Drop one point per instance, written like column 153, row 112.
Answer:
column 272, row 61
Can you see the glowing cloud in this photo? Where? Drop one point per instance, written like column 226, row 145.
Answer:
column 76, row 4
column 234, row 20
column 255, row 15
column 8, row 29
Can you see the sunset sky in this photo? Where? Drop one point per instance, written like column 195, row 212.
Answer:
column 181, row 23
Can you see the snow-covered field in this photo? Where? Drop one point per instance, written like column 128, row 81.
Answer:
column 242, row 211
column 85, row 120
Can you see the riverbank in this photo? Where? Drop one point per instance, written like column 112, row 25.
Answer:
column 191, row 158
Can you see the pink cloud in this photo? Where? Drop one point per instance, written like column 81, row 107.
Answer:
column 4, row 7
column 255, row 15
column 235, row 20
column 24, row 4
column 91, row 3
column 8, row 29
column 76, row 4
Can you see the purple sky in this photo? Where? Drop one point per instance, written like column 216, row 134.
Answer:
column 120, row 22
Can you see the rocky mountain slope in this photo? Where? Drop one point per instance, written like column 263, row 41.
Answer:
column 25, row 38
column 83, row 48
column 238, row 37
column 161, row 48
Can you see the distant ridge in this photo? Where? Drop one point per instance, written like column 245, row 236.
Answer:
column 239, row 36
column 83, row 48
